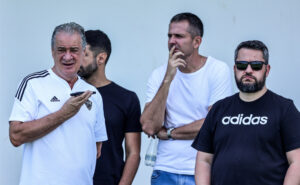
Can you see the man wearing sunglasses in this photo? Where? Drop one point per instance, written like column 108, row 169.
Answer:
column 252, row 137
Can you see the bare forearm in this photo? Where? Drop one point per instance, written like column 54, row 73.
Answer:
column 187, row 132
column 203, row 168
column 130, row 169
column 153, row 115
column 292, row 176
column 202, row 173
column 23, row 132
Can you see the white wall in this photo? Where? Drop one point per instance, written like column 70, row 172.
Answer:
column 138, row 31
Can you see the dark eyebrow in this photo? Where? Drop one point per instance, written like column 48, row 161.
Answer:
column 74, row 48
column 176, row 35
column 179, row 35
column 61, row 48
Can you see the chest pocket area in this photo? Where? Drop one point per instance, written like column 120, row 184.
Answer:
column 87, row 115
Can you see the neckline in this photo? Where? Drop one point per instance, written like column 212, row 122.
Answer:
column 255, row 101
column 107, row 85
column 55, row 76
column 195, row 72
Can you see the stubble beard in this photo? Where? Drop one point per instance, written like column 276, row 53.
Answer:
column 89, row 70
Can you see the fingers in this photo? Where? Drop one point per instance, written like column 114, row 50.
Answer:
column 72, row 106
column 153, row 136
column 177, row 54
column 178, row 62
column 175, row 59
column 86, row 95
column 171, row 52
column 81, row 99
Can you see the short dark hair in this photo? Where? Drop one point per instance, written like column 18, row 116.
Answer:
column 253, row 44
column 99, row 42
column 195, row 23
column 71, row 28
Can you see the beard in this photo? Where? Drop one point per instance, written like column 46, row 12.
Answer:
column 88, row 71
column 250, row 88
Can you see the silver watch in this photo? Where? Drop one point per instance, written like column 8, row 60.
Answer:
column 169, row 130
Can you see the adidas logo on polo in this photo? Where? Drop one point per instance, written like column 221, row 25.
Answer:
column 55, row 99
column 247, row 120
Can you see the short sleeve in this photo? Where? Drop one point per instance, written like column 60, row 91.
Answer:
column 154, row 83
column 204, row 140
column 26, row 104
column 221, row 83
column 290, row 128
column 133, row 116
column 100, row 128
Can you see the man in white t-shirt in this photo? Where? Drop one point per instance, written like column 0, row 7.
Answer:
column 179, row 96
column 62, row 134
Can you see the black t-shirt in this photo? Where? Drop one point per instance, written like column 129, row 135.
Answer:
column 122, row 113
column 249, row 140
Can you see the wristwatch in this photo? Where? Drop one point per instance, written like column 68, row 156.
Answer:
column 169, row 131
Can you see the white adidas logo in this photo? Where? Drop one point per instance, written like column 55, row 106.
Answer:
column 248, row 120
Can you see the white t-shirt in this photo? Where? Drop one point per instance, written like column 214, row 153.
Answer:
column 189, row 97
column 66, row 155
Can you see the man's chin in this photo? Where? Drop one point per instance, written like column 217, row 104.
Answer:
column 84, row 75
column 247, row 83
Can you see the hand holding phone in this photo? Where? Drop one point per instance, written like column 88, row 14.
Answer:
column 79, row 93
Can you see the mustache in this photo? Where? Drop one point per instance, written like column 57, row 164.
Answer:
column 248, row 76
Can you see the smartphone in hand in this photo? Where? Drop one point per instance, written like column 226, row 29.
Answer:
column 79, row 93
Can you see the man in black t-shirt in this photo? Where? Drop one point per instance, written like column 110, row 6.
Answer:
column 121, row 111
column 252, row 137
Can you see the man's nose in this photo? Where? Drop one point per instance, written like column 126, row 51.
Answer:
column 172, row 40
column 249, row 69
column 67, row 56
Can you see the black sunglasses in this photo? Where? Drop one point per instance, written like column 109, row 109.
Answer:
column 255, row 65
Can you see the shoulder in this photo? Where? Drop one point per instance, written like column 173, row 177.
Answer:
column 278, row 99
column 215, row 64
column 156, row 77
column 131, row 95
column 160, row 68
column 120, row 88
column 36, row 75
column 217, row 70
column 33, row 77
column 159, row 71
column 123, row 90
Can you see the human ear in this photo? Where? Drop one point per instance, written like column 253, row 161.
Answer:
column 101, row 58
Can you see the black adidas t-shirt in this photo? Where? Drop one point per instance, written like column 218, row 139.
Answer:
column 249, row 140
column 122, row 113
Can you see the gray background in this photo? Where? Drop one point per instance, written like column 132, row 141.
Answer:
column 138, row 31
